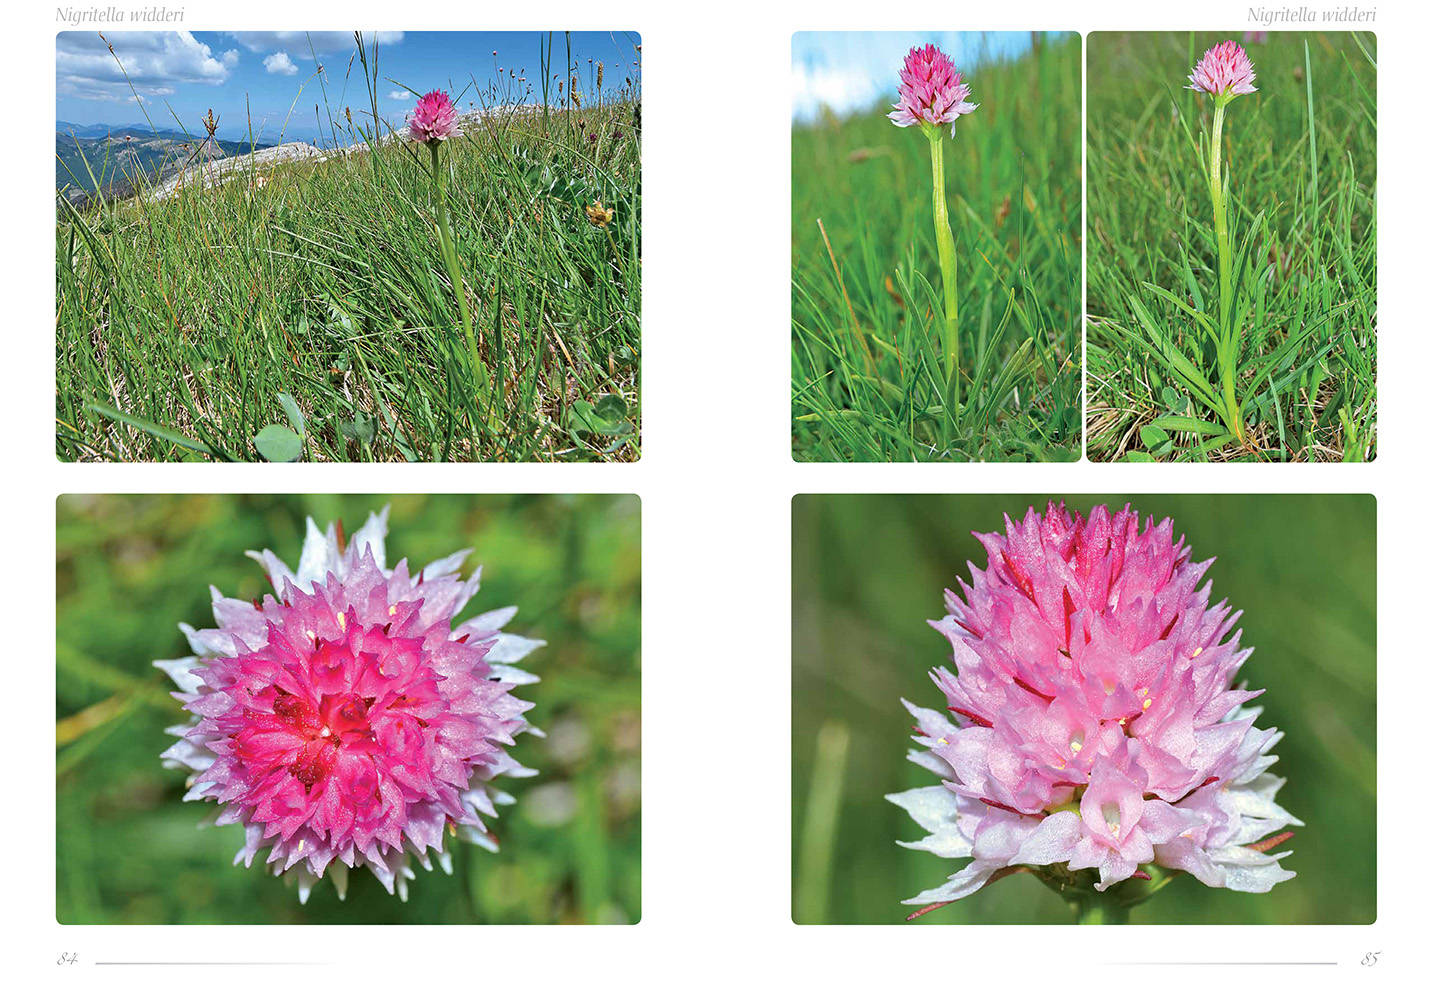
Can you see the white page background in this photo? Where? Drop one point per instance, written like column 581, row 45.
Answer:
column 716, row 481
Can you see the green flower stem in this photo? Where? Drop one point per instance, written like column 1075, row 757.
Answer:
column 1098, row 908
column 947, row 259
column 1227, row 330
column 472, row 350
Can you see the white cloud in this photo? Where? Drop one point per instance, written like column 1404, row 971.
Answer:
column 101, row 94
column 816, row 87
column 154, row 61
column 279, row 62
column 401, row 95
column 300, row 44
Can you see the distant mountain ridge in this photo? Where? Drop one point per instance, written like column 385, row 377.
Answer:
column 116, row 160
column 99, row 130
column 135, row 131
column 265, row 132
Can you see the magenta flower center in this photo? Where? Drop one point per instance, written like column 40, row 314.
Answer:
column 342, row 731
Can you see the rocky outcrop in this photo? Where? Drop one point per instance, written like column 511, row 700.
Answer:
column 247, row 165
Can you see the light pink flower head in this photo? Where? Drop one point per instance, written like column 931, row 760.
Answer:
column 931, row 91
column 345, row 721
column 1224, row 71
column 1093, row 721
column 434, row 118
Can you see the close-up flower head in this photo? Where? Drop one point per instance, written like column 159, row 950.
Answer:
column 345, row 720
column 931, row 91
column 434, row 118
column 1095, row 730
column 1225, row 71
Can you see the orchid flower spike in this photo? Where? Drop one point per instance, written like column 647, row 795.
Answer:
column 434, row 118
column 931, row 91
column 1094, row 724
column 1225, row 71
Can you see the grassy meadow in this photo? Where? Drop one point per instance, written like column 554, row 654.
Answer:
column 128, row 568
column 1301, row 162
column 867, row 360
column 311, row 299
column 868, row 571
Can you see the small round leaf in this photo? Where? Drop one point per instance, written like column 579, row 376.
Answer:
column 278, row 444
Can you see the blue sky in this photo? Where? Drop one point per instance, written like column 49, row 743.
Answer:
column 190, row 72
column 852, row 70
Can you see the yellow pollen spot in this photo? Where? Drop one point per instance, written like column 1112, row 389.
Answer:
column 341, row 619
column 391, row 610
column 942, row 742
column 1076, row 746
column 1197, row 652
column 1146, row 704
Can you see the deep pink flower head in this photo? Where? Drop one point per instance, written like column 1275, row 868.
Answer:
column 345, row 721
column 1224, row 71
column 931, row 91
column 434, row 118
column 1094, row 720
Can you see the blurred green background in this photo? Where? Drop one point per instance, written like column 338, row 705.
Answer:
column 868, row 571
column 129, row 568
